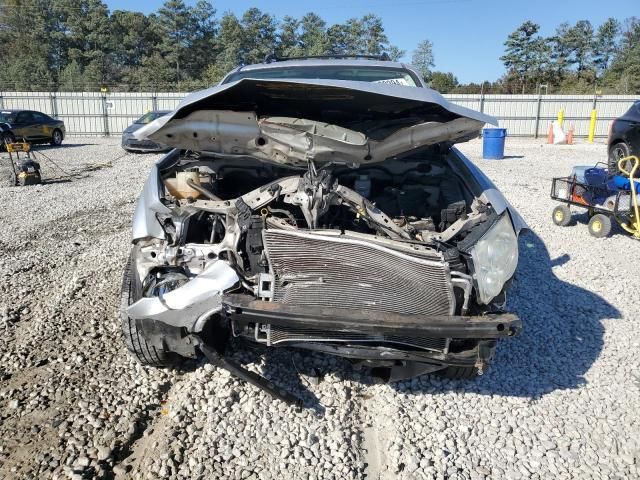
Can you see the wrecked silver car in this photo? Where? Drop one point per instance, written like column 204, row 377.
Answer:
column 322, row 214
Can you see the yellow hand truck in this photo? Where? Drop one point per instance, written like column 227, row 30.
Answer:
column 24, row 169
column 633, row 224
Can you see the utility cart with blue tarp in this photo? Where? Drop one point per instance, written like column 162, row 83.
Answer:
column 604, row 196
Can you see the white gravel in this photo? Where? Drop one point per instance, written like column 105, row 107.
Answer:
column 561, row 401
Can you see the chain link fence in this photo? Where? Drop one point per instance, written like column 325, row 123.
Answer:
column 104, row 114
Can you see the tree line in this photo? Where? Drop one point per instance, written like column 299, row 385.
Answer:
column 79, row 45
column 577, row 58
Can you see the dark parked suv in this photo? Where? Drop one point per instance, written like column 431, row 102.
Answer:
column 34, row 127
column 624, row 137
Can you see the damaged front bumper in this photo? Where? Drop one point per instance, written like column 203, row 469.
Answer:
column 242, row 310
column 177, row 320
column 434, row 341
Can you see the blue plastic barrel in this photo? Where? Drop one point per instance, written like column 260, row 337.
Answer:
column 493, row 143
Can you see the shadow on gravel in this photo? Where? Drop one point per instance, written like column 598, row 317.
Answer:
column 288, row 369
column 44, row 146
column 562, row 335
column 53, row 181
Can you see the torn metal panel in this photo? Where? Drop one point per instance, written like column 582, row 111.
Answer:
column 199, row 297
column 327, row 121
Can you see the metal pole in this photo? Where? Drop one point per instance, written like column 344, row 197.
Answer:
column 546, row 87
column 154, row 102
column 482, row 98
column 538, row 113
column 105, row 115
column 54, row 104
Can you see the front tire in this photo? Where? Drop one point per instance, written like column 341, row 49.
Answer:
column 56, row 138
column 616, row 152
column 133, row 337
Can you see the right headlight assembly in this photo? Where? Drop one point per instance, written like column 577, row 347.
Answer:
column 495, row 258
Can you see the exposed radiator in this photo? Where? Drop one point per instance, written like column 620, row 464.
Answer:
column 334, row 271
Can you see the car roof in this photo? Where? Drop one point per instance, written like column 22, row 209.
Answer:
column 326, row 62
column 13, row 110
column 317, row 62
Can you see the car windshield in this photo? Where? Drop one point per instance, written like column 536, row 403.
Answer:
column 149, row 117
column 360, row 74
column 7, row 117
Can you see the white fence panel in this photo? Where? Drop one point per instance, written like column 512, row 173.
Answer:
column 530, row 115
column 95, row 113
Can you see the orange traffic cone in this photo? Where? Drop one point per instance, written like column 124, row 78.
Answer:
column 570, row 134
column 550, row 134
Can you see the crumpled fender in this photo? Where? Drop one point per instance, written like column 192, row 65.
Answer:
column 198, row 298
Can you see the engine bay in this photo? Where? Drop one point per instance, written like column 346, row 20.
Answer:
column 421, row 197
column 222, row 208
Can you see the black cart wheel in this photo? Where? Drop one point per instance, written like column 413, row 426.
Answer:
column 561, row 215
column 600, row 225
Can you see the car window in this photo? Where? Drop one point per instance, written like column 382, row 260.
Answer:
column 149, row 117
column 7, row 117
column 40, row 117
column 360, row 74
column 24, row 117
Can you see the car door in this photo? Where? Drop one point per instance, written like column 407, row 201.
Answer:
column 42, row 126
column 633, row 133
column 22, row 126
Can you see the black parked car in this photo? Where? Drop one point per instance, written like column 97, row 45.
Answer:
column 33, row 127
column 624, row 137
column 132, row 144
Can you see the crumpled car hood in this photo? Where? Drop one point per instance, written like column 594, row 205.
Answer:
column 325, row 121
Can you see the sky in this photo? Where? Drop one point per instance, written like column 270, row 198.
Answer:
column 467, row 35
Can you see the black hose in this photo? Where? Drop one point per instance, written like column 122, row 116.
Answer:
column 248, row 376
column 203, row 191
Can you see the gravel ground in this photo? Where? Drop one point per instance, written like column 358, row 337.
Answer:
column 561, row 401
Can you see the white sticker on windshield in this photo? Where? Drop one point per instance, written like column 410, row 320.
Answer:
column 394, row 81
